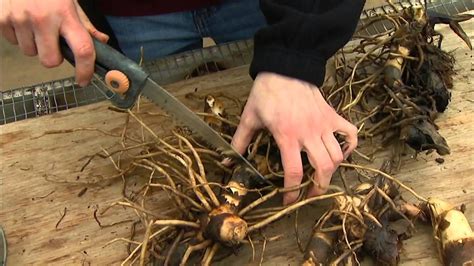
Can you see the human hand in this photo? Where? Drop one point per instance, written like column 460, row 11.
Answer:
column 299, row 119
column 35, row 25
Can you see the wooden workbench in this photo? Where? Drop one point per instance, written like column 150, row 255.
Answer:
column 40, row 177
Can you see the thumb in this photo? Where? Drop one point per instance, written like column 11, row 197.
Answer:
column 248, row 125
column 89, row 26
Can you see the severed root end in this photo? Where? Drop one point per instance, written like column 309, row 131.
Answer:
column 225, row 227
column 456, row 239
column 320, row 248
column 412, row 211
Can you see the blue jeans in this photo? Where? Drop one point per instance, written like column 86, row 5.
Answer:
column 172, row 33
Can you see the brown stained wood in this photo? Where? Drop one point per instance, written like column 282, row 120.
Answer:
column 27, row 163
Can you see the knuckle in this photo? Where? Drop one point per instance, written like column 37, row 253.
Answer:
column 28, row 48
column 355, row 143
column 85, row 50
column 247, row 121
column 318, row 188
column 3, row 21
column 286, row 127
column 339, row 157
column 30, row 51
column 39, row 19
column 285, row 130
column 293, row 172
column 328, row 169
column 67, row 9
column 353, row 130
column 323, row 188
column 18, row 18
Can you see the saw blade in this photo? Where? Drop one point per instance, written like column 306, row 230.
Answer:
column 188, row 118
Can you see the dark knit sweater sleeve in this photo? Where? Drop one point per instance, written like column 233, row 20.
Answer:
column 301, row 35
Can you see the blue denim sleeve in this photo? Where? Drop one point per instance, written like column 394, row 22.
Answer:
column 301, row 35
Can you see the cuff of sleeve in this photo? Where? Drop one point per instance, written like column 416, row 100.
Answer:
column 288, row 63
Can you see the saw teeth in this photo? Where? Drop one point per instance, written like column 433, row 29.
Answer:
column 224, row 153
column 178, row 121
column 190, row 132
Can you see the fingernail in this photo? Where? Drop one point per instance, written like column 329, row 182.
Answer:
column 320, row 190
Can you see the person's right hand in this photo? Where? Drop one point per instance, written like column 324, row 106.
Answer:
column 35, row 25
column 299, row 118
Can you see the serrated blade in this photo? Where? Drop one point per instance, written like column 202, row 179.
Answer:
column 183, row 114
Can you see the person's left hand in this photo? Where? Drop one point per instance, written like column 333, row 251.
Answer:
column 299, row 119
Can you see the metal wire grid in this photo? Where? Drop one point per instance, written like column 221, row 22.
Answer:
column 177, row 67
column 50, row 97
column 45, row 98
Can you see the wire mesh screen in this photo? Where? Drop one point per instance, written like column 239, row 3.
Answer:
column 54, row 96
column 45, row 99
column 200, row 62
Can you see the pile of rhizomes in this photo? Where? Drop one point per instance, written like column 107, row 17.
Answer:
column 392, row 86
column 216, row 208
column 371, row 218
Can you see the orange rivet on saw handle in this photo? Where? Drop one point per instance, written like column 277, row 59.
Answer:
column 117, row 81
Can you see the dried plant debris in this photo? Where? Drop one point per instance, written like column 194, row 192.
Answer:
column 393, row 85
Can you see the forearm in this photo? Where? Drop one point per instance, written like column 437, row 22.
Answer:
column 302, row 35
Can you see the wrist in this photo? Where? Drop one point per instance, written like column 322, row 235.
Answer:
column 273, row 79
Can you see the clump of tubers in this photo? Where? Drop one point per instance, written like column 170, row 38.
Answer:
column 372, row 218
column 392, row 86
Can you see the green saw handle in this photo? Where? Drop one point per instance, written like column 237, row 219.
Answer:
column 124, row 78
